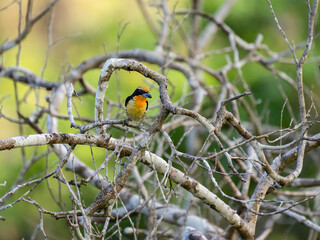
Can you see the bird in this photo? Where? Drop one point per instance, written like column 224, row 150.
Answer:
column 137, row 104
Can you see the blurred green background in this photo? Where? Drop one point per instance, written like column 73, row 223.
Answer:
column 91, row 28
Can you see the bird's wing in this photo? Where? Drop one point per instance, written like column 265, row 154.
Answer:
column 128, row 99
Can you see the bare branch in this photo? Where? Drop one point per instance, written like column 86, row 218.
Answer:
column 28, row 26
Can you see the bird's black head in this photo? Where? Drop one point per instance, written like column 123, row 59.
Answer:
column 142, row 91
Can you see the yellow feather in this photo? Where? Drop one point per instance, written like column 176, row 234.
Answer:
column 145, row 89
